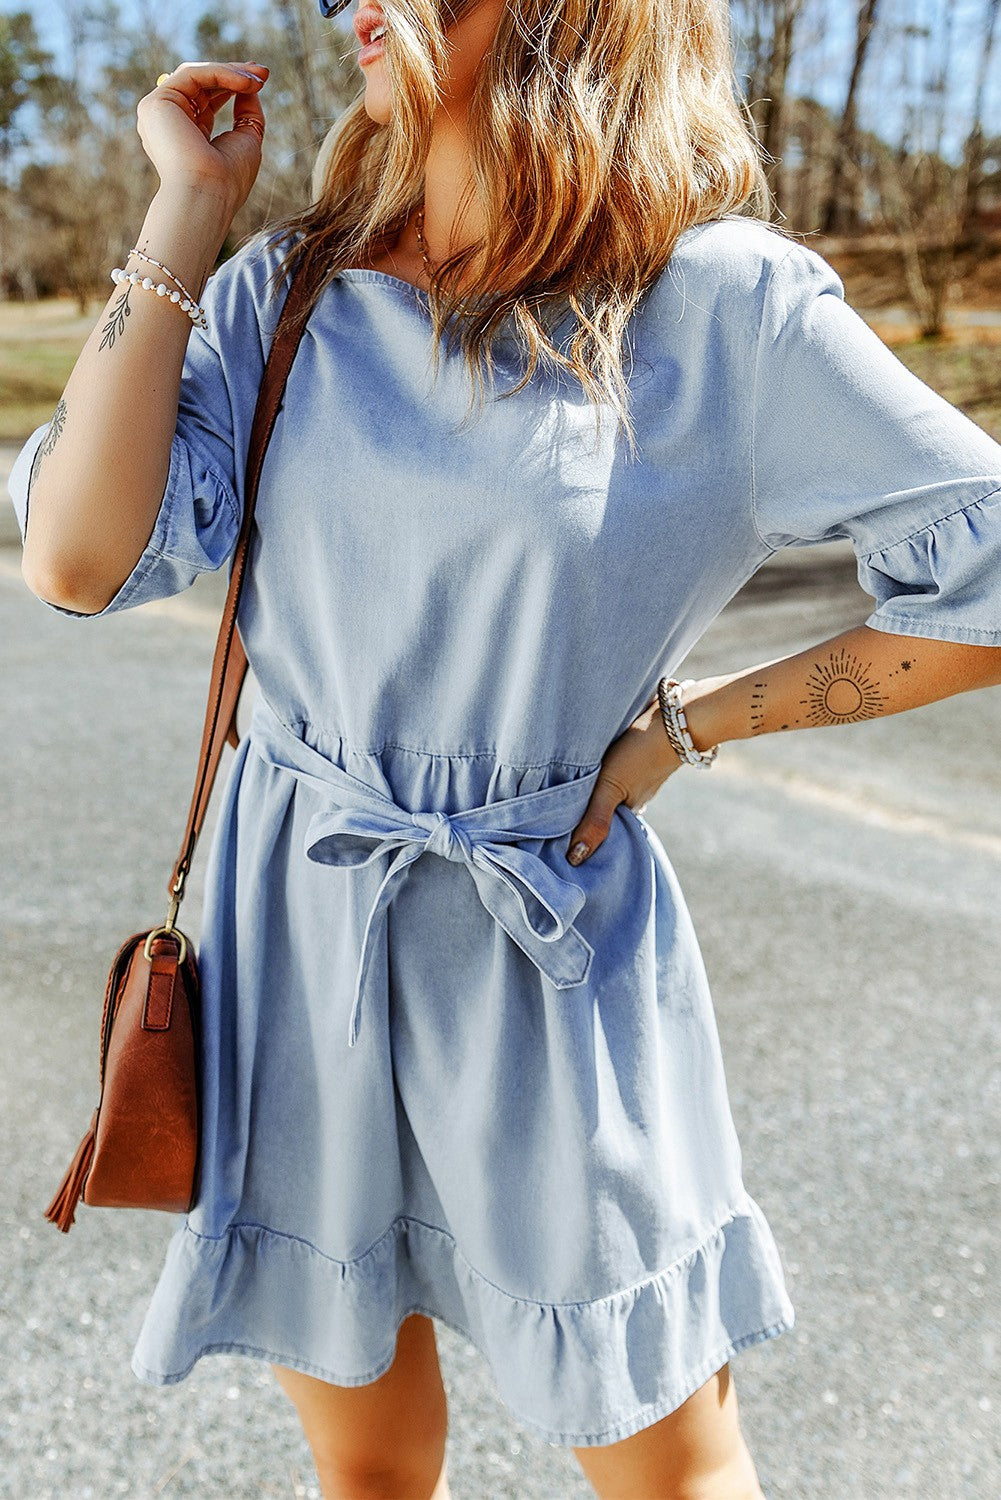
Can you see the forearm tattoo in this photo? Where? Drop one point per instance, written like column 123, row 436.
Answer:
column 115, row 326
column 50, row 439
column 841, row 690
column 758, row 707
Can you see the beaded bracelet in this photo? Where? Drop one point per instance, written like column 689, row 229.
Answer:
column 669, row 694
column 166, row 271
column 194, row 312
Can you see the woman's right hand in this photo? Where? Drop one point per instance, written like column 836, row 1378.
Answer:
column 175, row 122
column 633, row 768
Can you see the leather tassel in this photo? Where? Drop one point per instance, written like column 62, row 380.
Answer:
column 63, row 1206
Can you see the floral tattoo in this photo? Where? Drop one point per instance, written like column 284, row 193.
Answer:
column 50, row 439
column 115, row 326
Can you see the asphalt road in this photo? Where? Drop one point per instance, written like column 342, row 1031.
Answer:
column 845, row 885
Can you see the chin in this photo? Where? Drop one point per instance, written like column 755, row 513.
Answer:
column 378, row 103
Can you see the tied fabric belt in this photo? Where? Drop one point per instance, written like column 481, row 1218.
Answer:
column 535, row 906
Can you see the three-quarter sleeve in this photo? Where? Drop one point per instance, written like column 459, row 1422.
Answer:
column 847, row 442
column 198, row 522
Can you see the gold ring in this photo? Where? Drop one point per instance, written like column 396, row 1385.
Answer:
column 254, row 125
column 162, row 79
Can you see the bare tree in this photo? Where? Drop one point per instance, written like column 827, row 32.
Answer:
column 974, row 154
column 301, row 55
column 766, row 31
column 921, row 192
column 841, row 210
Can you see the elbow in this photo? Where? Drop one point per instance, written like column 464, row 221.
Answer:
column 65, row 571
column 64, row 589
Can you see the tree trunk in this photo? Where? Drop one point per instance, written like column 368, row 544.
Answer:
column 973, row 162
column 785, row 14
column 841, row 215
column 302, row 65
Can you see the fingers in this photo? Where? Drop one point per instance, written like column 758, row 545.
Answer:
column 593, row 827
column 229, row 77
column 247, row 111
column 202, row 88
column 191, row 95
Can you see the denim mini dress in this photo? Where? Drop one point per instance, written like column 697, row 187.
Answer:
column 445, row 1071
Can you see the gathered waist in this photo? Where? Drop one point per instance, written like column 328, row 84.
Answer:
column 427, row 780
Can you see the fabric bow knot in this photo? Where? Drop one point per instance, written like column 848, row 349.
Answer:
column 534, row 905
column 444, row 837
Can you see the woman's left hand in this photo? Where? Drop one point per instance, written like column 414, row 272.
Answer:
column 633, row 768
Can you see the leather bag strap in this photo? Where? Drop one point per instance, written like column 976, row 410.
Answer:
column 229, row 665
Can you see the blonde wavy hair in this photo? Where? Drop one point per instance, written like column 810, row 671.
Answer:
column 598, row 133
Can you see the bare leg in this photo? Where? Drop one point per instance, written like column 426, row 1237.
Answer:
column 384, row 1440
column 694, row 1453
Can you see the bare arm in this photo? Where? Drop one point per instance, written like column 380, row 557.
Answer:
column 99, row 475
column 860, row 674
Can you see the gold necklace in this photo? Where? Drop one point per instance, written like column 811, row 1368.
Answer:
column 429, row 271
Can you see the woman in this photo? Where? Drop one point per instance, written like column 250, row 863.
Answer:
column 487, row 1087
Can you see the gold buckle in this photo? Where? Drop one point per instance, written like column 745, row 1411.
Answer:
column 168, row 928
column 167, row 931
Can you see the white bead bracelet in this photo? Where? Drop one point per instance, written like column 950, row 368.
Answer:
column 194, row 312
column 669, row 694
column 166, row 271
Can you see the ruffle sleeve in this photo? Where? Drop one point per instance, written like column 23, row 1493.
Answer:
column 943, row 580
column 200, row 514
column 848, row 442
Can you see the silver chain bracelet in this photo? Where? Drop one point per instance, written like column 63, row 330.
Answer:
column 676, row 724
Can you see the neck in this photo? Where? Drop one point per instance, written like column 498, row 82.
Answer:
column 453, row 214
column 449, row 222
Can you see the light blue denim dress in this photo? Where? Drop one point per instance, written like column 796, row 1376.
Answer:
column 445, row 1070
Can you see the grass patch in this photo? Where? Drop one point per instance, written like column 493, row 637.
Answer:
column 32, row 378
column 40, row 343
column 967, row 374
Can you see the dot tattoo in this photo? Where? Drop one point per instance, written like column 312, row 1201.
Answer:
column 841, row 691
column 758, row 708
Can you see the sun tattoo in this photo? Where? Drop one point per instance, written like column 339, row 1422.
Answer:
column 841, row 691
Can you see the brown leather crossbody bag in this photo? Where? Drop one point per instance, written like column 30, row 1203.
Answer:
column 141, row 1149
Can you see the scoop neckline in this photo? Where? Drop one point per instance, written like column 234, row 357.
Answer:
column 367, row 273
